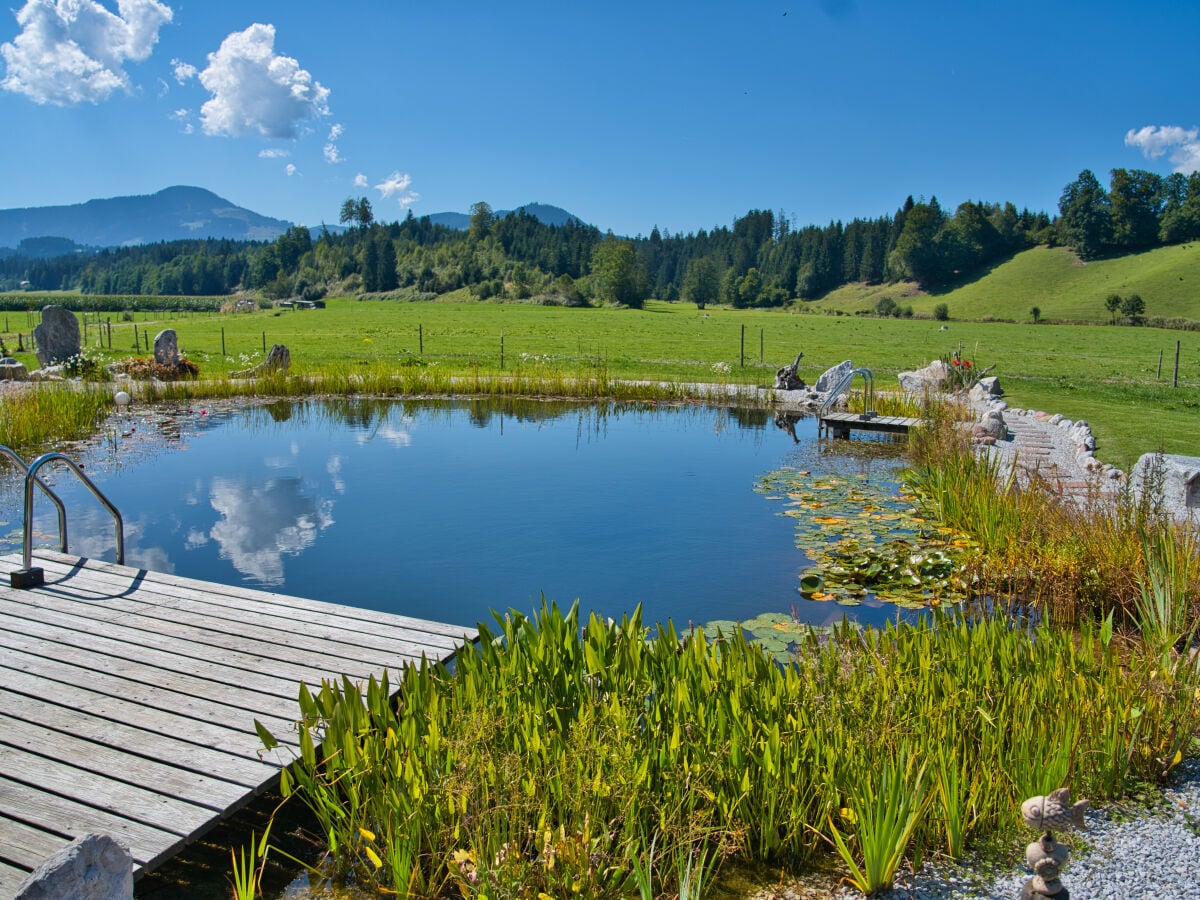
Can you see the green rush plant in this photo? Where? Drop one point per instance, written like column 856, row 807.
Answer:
column 884, row 808
column 36, row 417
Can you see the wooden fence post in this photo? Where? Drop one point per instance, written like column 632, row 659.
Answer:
column 743, row 350
column 1175, row 378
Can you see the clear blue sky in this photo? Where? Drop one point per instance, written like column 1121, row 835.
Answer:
column 628, row 114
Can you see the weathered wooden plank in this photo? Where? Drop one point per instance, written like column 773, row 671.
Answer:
column 10, row 879
column 127, row 699
column 350, row 623
column 146, row 843
column 170, row 748
column 26, row 846
column 120, row 765
column 166, row 813
column 452, row 633
column 329, row 633
column 175, row 668
column 67, row 675
column 131, row 623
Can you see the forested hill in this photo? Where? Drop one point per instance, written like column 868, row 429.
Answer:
column 760, row 260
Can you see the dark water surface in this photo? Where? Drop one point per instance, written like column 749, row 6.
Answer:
column 447, row 509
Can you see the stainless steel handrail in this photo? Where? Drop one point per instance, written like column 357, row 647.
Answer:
column 31, row 476
column 58, row 504
column 843, row 383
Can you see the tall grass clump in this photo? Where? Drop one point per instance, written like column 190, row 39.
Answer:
column 1073, row 561
column 33, row 417
column 611, row 761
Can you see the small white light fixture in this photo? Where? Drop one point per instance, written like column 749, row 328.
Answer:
column 122, row 399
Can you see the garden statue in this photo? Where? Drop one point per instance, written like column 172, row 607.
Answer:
column 1046, row 856
column 786, row 378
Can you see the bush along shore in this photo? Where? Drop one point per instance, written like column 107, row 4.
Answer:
column 602, row 759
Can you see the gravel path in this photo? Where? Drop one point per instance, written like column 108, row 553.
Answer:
column 1155, row 853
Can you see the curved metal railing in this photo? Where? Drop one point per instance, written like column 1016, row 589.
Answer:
column 31, row 478
column 58, row 504
column 840, row 388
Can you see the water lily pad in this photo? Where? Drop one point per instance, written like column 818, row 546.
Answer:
column 811, row 582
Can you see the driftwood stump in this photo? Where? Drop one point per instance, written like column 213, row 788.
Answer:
column 786, row 378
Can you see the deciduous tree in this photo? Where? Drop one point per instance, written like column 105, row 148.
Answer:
column 616, row 276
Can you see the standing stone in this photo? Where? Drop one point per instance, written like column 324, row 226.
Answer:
column 57, row 336
column 830, row 377
column 166, row 348
column 93, row 867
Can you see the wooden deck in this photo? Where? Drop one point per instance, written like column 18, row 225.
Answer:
column 128, row 699
column 840, row 424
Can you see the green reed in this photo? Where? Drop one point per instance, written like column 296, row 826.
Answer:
column 603, row 760
column 34, row 417
column 1074, row 561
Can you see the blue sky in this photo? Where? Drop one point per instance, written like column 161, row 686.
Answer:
column 627, row 114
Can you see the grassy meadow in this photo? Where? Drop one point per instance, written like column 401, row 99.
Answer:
column 1054, row 280
column 1103, row 374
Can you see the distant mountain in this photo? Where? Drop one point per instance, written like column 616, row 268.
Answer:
column 174, row 213
column 544, row 213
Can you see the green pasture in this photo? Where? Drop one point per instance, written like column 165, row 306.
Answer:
column 1054, row 280
column 1105, row 374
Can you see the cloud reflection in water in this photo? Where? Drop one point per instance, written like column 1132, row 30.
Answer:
column 262, row 522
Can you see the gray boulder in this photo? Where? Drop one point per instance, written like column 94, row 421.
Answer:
column 926, row 380
column 830, row 377
column 991, row 426
column 57, row 336
column 13, row 370
column 166, row 348
column 986, row 389
column 93, row 867
column 1177, row 477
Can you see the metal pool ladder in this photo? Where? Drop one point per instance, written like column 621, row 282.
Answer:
column 868, row 395
column 29, row 576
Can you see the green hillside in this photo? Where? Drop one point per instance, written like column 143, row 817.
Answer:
column 1055, row 281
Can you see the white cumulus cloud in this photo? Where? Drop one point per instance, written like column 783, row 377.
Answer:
column 184, row 72
column 290, row 169
column 397, row 185
column 181, row 116
column 332, row 156
column 336, row 132
column 71, row 51
column 1182, row 145
column 273, row 153
column 360, row 180
column 256, row 91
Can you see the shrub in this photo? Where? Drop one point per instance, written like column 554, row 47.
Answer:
column 941, row 312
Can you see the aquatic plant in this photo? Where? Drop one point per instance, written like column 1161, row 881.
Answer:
column 600, row 760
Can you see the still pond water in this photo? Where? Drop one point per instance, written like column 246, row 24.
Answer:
column 448, row 509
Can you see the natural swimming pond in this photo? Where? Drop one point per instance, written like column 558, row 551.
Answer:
column 447, row 509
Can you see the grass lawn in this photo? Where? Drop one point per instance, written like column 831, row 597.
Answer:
column 1104, row 374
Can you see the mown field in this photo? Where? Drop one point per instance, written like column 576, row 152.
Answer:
column 1107, row 375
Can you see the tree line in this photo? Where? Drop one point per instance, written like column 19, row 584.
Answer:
column 760, row 260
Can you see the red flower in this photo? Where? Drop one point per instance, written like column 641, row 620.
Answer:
column 954, row 362
column 966, row 364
